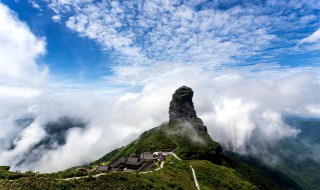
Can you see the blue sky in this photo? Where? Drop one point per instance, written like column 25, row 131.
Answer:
column 94, row 41
column 68, row 55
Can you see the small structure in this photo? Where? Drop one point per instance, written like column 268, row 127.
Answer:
column 167, row 151
column 103, row 168
column 147, row 166
column 161, row 157
column 147, row 156
column 133, row 163
column 118, row 164
column 143, row 162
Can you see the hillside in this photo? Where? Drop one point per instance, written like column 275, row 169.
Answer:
column 176, row 174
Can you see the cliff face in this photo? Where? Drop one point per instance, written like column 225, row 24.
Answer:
column 182, row 109
column 181, row 105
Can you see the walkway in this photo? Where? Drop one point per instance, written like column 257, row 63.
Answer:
column 81, row 177
column 195, row 178
column 176, row 156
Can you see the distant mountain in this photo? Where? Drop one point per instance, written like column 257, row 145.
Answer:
column 55, row 136
column 302, row 159
column 298, row 158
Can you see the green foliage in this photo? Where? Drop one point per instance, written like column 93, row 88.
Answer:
column 301, row 162
column 250, row 173
column 193, row 144
column 4, row 167
column 171, row 177
column 187, row 142
column 4, row 174
column 211, row 176
column 176, row 174
column 110, row 156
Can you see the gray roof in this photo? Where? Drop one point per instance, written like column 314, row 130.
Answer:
column 103, row 168
column 146, row 166
column 147, row 156
column 117, row 162
column 161, row 157
column 122, row 160
column 133, row 159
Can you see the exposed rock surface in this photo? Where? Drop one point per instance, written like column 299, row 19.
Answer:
column 182, row 109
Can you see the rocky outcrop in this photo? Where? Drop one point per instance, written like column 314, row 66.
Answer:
column 182, row 109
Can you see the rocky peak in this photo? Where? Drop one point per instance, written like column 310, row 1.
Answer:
column 182, row 108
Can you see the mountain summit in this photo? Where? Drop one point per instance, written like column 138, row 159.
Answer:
column 182, row 109
column 185, row 133
column 181, row 105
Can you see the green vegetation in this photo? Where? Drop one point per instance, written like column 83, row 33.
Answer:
column 187, row 142
column 173, row 176
column 176, row 174
column 4, row 167
column 251, row 174
column 4, row 174
column 193, row 144
column 303, row 167
column 221, row 177
column 69, row 173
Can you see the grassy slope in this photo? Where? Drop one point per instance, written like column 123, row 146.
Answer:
column 251, row 174
column 175, row 175
column 211, row 177
column 170, row 136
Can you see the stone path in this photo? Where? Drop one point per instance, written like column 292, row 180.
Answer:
column 176, row 156
column 195, row 178
column 71, row 178
column 161, row 166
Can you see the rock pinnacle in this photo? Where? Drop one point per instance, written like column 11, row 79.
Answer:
column 182, row 109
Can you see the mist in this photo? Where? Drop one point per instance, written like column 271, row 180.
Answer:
column 244, row 114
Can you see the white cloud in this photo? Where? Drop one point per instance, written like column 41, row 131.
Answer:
column 19, row 51
column 314, row 37
column 143, row 34
column 312, row 42
column 18, row 92
column 56, row 18
column 182, row 34
column 35, row 5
